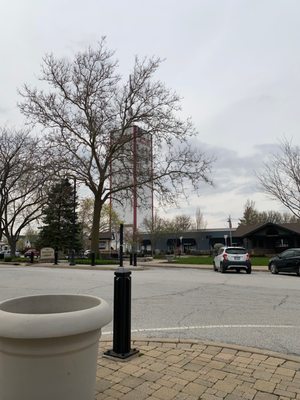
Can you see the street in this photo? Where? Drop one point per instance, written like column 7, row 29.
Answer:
column 259, row 310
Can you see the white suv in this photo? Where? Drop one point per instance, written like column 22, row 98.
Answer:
column 232, row 258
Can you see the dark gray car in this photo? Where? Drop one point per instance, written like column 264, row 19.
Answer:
column 287, row 261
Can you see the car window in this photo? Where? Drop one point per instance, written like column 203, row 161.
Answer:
column 236, row 250
column 287, row 254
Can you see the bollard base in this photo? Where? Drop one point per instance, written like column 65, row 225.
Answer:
column 121, row 356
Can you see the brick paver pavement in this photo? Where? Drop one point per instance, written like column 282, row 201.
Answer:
column 192, row 370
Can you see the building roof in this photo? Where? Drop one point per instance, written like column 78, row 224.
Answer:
column 244, row 230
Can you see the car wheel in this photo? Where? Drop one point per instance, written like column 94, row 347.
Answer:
column 215, row 268
column 273, row 269
column 222, row 268
column 238, row 270
column 298, row 272
column 249, row 270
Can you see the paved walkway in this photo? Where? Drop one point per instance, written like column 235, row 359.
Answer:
column 192, row 370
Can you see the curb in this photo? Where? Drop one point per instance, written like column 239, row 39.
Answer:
column 192, row 266
column 140, row 267
column 76, row 267
column 269, row 353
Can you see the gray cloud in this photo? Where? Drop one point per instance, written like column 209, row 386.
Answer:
column 239, row 84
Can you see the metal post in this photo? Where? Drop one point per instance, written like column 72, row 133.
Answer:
column 134, row 259
column 92, row 259
column 72, row 260
column 72, row 257
column 32, row 257
column 122, row 311
column 225, row 239
column 55, row 257
column 121, row 244
column 181, row 248
column 230, row 228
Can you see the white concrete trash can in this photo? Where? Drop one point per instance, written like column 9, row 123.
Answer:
column 49, row 346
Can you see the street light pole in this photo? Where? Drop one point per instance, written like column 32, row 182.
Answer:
column 3, row 198
column 72, row 258
column 230, row 228
column 181, row 248
column 225, row 239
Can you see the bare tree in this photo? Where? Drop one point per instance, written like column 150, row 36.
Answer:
column 22, row 178
column 281, row 177
column 177, row 226
column 200, row 221
column 287, row 217
column 155, row 226
column 253, row 216
column 109, row 220
column 88, row 102
column 180, row 223
column 250, row 215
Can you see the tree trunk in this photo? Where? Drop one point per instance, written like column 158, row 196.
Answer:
column 12, row 241
column 96, row 225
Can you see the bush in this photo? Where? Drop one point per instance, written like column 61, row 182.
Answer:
column 85, row 261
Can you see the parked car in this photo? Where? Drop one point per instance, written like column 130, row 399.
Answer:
column 28, row 252
column 287, row 261
column 87, row 253
column 232, row 258
column 7, row 253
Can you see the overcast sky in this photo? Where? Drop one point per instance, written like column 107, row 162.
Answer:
column 235, row 63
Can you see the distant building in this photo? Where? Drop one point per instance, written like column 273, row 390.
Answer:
column 199, row 241
column 259, row 239
column 269, row 238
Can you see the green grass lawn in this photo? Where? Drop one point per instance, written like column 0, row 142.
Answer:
column 263, row 261
column 201, row 260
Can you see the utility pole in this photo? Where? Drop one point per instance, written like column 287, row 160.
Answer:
column 230, row 228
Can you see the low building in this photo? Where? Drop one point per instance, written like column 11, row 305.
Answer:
column 190, row 242
column 260, row 239
column 268, row 238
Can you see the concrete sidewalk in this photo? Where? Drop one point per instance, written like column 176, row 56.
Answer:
column 192, row 370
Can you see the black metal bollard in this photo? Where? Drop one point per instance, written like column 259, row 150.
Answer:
column 122, row 316
column 55, row 257
column 134, row 259
column 122, row 311
column 92, row 259
column 32, row 257
column 72, row 258
column 130, row 259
